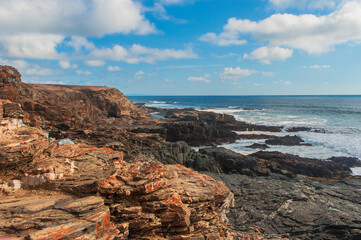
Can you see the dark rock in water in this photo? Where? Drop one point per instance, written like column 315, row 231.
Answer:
column 198, row 134
column 299, row 129
column 232, row 162
column 346, row 161
column 182, row 153
column 255, row 136
column 287, row 141
column 292, row 165
column 258, row 146
column 298, row 209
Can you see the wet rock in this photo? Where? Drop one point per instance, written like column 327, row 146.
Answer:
column 258, row 146
column 298, row 129
column 286, row 141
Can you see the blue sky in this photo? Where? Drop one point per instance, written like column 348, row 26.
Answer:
column 187, row 47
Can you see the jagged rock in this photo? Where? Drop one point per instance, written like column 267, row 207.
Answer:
column 232, row 162
column 182, row 153
column 167, row 201
column 291, row 165
column 147, row 200
column 299, row 208
column 10, row 82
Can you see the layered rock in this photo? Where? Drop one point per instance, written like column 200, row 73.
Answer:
column 140, row 200
column 10, row 82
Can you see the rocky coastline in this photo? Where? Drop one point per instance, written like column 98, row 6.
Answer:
column 82, row 162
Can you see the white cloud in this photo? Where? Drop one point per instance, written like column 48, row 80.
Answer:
column 94, row 63
column 175, row 2
column 200, row 79
column 34, row 29
column 36, row 46
column 69, row 17
column 258, row 85
column 80, row 72
column 79, row 43
column 168, row 80
column 26, row 68
column 268, row 74
column 67, row 65
column 317, row 66
column 312, row 4
column 235, row 73
column 288, row 83
column 138, row 53
column 114, row 68
column 314, row 34
column 267, row 54
column 223, row 39
column 140, row 75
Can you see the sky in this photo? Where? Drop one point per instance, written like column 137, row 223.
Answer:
column 187, row 47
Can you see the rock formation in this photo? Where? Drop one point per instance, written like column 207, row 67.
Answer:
column 53, row 189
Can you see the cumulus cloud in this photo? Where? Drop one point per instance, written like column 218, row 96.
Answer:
column 311, row 4
column 223, row 39
column 138, row 53
column 317, row 66
column 79, row 43
column 94, row 63
column 236, row 73
column 69, row 17
column 314, row 34
column 140, row 75
column 81, row 72
column 28, row 69
column 203, row 79
column 34, row 29
column 268, row 54
column 67, row 65
column 36, row 46
column 114, row 68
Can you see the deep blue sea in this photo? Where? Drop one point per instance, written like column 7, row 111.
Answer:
column 338, row 116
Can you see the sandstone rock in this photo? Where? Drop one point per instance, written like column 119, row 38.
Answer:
column 55, row 217
column 10, row 82
column 146, row 199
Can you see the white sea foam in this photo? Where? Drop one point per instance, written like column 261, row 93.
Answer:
column 356, row 171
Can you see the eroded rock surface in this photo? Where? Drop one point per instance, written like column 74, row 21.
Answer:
column 96, row 195
column 301, row 208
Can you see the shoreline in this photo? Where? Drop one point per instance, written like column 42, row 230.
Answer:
column 98, row 149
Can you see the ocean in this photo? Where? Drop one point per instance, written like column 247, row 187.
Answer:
column 336, row 120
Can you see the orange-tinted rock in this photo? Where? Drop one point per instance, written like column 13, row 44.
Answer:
column 10, row 82
column 146, row 199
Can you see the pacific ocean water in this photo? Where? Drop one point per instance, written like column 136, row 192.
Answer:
column 336, row 120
